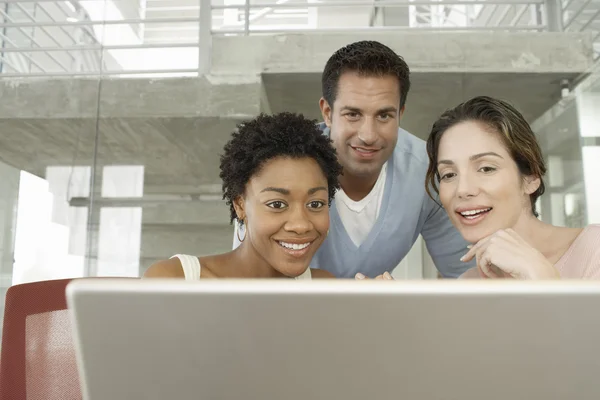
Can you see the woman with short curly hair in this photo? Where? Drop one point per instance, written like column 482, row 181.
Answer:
column 279, row 175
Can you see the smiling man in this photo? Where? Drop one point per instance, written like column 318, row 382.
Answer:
column 382, row 207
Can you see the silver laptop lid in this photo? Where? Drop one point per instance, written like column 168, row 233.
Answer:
column 225, row 339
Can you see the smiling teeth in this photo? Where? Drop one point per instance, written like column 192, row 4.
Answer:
column 473, row 212
column 294, row 246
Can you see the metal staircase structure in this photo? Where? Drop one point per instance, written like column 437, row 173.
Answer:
column 582, row 16
column 70, row 37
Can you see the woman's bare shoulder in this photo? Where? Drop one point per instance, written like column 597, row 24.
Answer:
column 170, row 268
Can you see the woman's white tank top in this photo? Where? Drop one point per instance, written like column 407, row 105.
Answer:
column 191, row 268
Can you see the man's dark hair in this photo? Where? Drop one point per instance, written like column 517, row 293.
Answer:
column 367, row 58
column 270, row 136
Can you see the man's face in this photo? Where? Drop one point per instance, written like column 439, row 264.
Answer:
column 364, row 122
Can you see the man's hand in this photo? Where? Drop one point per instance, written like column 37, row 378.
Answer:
column 386, row 276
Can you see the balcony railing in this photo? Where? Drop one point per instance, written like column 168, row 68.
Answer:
column 172, row 37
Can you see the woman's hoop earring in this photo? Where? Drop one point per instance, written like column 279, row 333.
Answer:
column 243, row 223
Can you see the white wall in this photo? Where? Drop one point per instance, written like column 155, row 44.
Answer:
column 417, row 264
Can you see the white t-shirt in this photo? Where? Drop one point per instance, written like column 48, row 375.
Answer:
column 359, row 217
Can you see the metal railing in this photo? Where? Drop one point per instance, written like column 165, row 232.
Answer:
column 582, row 16
column 51, row 30
column 172, row 37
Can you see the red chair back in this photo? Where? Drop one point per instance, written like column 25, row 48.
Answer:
column 38, row 354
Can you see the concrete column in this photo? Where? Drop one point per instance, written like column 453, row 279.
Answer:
column 93, row 225
column 9, row 196
column 205, row 37
column 554, row 15
column 429, row 269
column 120, row 228
column 591, row 164
column 589, row 131
column 411, row 267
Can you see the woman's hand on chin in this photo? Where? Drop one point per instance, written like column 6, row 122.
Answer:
column 505, row 254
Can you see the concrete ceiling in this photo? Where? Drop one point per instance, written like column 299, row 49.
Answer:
column 177, row 127
column 179, row 154
column 430, row 95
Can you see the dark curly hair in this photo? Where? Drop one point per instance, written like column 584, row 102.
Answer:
column 269, row 136
column 367, row 58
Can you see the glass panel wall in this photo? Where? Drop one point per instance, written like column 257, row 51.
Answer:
column 569, row 134
column 47, row 144
column 564, row 202
column 588, row 101
column 103, row 177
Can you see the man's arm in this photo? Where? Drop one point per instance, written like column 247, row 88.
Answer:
column 444, row 242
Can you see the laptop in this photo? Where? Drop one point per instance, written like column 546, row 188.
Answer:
column 338, row 339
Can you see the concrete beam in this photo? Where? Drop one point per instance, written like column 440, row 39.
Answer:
column 211, row 213
column 430, row 94
column 169, row 210
column 162, row 241
column 174, row 151
column 236, row 96
column 423, row 51
column 176, row 127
